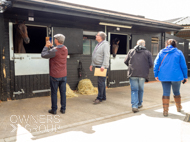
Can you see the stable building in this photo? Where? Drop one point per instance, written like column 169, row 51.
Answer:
column 25, row 75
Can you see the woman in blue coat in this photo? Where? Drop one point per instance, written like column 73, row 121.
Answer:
column 170, row 68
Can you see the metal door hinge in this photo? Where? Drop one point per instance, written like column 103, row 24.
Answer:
column 18, row 93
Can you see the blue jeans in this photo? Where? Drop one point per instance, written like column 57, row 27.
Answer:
column 55, row 83
column 166, row 85
column 101, row 88
column 137, row 90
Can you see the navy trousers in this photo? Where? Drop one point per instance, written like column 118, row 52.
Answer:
column 55, row 83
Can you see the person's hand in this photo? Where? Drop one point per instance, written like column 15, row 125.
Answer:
column 186, row 80
column 48, row 44
column 157, row 78
column 102, row 68
column 90, row 68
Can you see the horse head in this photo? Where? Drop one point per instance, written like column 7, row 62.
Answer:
column 115, row 46
column 22, row 29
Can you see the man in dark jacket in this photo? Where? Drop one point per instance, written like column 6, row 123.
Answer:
column 58, row 70
column 139, row 61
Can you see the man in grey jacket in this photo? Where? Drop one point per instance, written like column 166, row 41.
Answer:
column 100, row 59
column 139, row 61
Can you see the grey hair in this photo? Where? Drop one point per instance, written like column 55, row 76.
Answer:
column 102, row 35
column 141, row 42
column 60, row 38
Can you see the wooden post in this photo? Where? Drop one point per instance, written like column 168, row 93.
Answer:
column 4, row 60
column 1, row 46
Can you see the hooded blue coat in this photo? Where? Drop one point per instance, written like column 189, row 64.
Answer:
column 173, row 67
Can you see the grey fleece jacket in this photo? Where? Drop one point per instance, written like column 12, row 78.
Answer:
column 100, row 56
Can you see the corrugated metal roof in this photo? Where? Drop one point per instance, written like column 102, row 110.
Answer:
column 180, row 21
column 183, row 21
column 173, row 20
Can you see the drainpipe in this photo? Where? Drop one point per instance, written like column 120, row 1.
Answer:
column 105, row 29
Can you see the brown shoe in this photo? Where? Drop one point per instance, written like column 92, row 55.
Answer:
column 135, row 110
column 97, row 101
column 102, row 100
column 94, row 100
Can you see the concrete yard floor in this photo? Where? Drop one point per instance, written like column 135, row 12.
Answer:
column 29, row 120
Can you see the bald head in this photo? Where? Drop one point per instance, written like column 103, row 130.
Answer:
column 141, row 42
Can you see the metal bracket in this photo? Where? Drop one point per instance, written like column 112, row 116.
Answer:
column 124, row 82
column 41, row 91
column 113, row 82
column 18, row 93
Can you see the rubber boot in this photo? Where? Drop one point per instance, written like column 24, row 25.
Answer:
column 165, row 100
column 178, row 102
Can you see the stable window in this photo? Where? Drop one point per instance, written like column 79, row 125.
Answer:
column 37, row 38
column 122, row 46
column 154, row 45
column 89, row 44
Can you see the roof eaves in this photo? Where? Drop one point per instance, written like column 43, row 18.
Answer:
column 96, row 11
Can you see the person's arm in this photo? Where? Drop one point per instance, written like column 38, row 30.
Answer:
column 156, row 66
column 183, row 66
column 106, row 50
column 48, row 53
column 126, row 61
column 90, row 68
column 150, row 60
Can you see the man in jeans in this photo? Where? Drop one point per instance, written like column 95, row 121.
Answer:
column 100, row 59
column 139, row 61
column 58, row 70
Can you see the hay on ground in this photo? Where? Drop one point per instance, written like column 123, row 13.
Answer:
column 85, row 87
column 69, row 93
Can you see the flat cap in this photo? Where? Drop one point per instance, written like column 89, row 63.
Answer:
column 59, row 37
